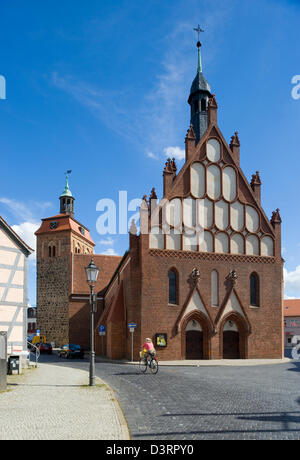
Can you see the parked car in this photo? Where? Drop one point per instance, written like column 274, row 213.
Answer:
column 71, row 351
column 45, row 348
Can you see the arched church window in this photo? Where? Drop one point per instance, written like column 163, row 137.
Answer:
column 50, row 251
column 254, row 290
column 196, row 106
column 173, row 288
column 203, row 105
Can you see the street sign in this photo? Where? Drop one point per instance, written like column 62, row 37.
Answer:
column 102, row 330
column 132, row 328
column 132, row 325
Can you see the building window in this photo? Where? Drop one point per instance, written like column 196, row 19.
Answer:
column 196, row 106
column 203, row 105
column 52, row 251
column 254, row 290
column 173, row 288
column 215, row 288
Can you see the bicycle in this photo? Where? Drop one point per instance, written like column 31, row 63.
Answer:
column 150, row 362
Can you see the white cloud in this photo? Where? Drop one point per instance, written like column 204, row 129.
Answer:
column 26, row 231
column 106, row 242
column 292, row 282
column 109, row 252
column 175, row 152
column 152, row 155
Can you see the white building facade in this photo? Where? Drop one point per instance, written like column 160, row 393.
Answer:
column 14, row 253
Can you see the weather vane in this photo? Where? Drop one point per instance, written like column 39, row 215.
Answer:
column 67, row 173
column 198, row 30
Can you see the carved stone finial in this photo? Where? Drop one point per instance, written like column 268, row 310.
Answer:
column 213, row 102
column 191, row 133
column 153, row 195
column 255, row 179
column 235, row 141
column 232, row 279
column 276, row 218
column 194, row 277
column 133, row 229
column 174, row 166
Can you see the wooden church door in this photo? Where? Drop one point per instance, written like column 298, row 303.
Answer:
column 194, row 345
column 231, row 345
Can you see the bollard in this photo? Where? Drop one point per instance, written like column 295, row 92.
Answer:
column 3, row 361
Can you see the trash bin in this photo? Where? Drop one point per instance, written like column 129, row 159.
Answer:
column 13, row 364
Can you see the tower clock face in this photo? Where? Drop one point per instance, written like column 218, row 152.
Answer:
column 53, row 225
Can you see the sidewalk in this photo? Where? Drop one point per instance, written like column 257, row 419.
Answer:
column 200, row 363
column 53, row 402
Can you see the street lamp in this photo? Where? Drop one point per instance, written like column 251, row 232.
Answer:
column 92, row 272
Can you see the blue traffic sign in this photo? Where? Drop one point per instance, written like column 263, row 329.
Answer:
column 102, row 328
column 132, row 325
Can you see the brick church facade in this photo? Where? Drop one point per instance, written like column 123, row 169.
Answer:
column 203, row 278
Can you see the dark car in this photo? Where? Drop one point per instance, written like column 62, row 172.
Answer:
column 45, row 348
column 71, row 351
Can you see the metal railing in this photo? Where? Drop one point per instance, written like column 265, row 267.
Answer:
column 37, row 352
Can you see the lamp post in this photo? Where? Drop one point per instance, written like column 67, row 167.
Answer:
column 92, row 272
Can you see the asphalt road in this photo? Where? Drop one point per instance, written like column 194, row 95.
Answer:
column 187, row 403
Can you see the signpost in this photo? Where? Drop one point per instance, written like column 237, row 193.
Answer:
column 132, row 327
column 102, row 333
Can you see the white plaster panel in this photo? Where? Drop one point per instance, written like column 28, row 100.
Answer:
column 252, row 245
column 174, row 213
column 198, row 180
column 237, row 216
column 18, row 278
column 4, row 275
column 229, row 183
column 221, row 243
column 15, row 295
column 189, row 212
column 237, row 244
column 267, row 246
column 206, row 242
column 231, row 326
column 221, row 215
column 213, row 182
column 7, row 258
column 215, row 288
column 193, row 326
column 6, row 241
column 195, row 304
column 157, row 239
column 190, row 242
column 252, row 219
column 213, row 150
column 174, row 240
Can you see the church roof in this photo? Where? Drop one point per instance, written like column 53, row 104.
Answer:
column 200, row 84
column 64, row 222
column 106, row 264
column 291, row 307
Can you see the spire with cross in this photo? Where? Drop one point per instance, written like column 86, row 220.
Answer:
column 199, row 31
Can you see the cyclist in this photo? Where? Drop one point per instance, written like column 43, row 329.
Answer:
column 149, row 349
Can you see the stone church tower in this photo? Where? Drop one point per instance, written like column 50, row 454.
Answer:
column 58, row 240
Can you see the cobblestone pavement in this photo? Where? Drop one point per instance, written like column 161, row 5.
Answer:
column 54, row 402
column 257, row 402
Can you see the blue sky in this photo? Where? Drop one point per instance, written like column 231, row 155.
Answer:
column 101, row 87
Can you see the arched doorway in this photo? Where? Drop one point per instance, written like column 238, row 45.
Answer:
column 194, row 340
column 231, row 341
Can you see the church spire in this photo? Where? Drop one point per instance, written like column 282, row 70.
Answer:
column 67, row 199
column 199, row 96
